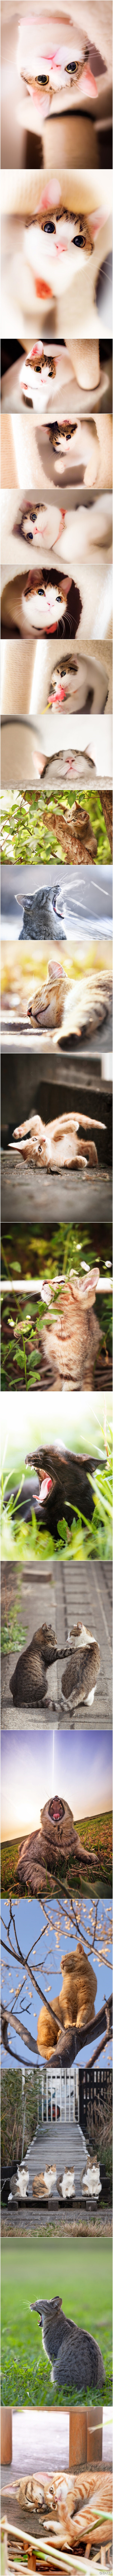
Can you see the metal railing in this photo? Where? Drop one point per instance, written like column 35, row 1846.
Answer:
column 58, row 2093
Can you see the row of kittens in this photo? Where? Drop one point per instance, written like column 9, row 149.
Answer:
column 46, row 2183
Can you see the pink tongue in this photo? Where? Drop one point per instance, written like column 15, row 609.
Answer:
column 46, row 1488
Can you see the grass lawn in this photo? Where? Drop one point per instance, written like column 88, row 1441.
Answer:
column 9, row 1858
column 95, row 1833
column 81, row 2272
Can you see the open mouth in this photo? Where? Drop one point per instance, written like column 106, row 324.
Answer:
column 56, row 1810
column 45, row 1489
column 40, row 1495
column 42, row 1489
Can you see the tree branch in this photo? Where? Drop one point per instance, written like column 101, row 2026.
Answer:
column 95, row 1926
column 77, row 1922
column 106, row 802
column 71, row 2042
column 11, row 2020
column 24, row 1963
column 97, row 2052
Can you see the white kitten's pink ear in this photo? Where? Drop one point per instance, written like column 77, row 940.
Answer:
column 50, row 195
column 38, row 763
column 94, row 222
column 88, row 83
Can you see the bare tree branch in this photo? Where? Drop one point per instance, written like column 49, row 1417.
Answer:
column 77, row 1923
column 95, row 1926
column 11, row 2020
column 24, row 1963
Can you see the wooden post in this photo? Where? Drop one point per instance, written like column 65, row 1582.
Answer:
column 85, row 363
column 6, row 2436
column 107, row 810
column 77, row 2437
column 94, row 2435
column 9, row 473
column 85, row 2436
column 86, row 143
column 14, row 678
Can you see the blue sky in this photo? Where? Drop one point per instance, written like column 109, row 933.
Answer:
column 78, row 1766
column 48, row 1946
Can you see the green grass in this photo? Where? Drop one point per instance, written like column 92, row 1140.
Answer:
column 12, row 1632
column 28, row 1254
column 81, row 2273
column 84, row 1538
column 87, row 1538
column 9, row 1858
column 95, row 1833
